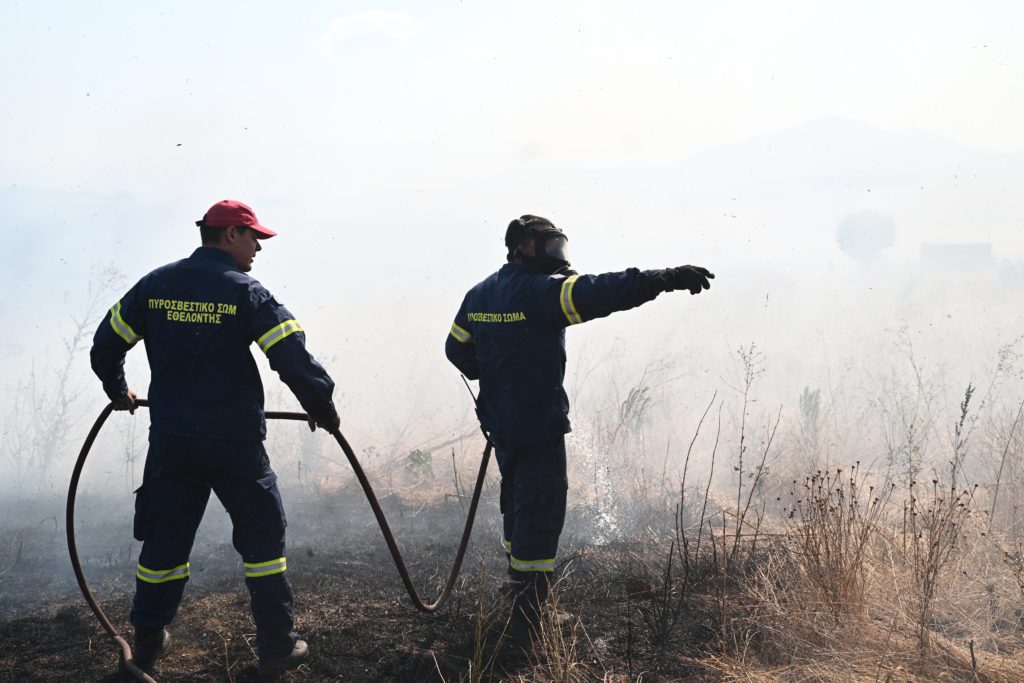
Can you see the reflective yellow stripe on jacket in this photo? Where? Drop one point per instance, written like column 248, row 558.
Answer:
column 276, row 334
column 123, row 329
column 568, row 305
column 460, row 334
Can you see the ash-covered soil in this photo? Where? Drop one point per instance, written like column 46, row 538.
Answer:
column 350, row 603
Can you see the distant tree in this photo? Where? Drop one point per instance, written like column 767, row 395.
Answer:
column 865, row 235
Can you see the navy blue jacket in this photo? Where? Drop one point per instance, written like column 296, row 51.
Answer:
column 510, row 334
column 198, row 317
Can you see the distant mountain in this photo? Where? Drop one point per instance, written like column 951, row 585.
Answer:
column 828, row 153
column 801, row 182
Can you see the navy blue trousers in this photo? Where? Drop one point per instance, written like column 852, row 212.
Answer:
column 179, row 475
column 533, row 490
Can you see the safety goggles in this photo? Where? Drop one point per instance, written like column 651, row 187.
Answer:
column 556, row 245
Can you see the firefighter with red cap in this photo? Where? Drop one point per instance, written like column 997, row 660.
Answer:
column 509, row 333
column 197, row 318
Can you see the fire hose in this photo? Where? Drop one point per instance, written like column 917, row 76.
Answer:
column 389, row 538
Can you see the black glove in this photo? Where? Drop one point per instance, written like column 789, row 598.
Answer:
column 331, row 425
column 693, row 278
column 126, row 402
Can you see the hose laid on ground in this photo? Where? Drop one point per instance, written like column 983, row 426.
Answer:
column 389, row 538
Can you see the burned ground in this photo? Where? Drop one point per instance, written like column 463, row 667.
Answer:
column 351, row 606
column 670, row 603
column 769, row 573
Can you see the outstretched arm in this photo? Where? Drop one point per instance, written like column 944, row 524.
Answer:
column 586, row 297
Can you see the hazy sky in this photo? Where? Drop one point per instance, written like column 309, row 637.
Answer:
column 390, row 144
column 345, row 98
column 341, row 118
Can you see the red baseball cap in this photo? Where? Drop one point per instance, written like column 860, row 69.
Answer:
column 230, row 212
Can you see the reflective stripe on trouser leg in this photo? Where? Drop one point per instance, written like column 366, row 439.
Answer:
column 538, row 507
column 257, row 514
column 547, row 565
column 168, row 509
column 179, row 573
column 156, row 602
column 157, row 594
column 257, row 569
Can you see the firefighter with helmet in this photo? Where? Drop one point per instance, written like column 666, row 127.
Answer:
column 509, row 333
column 198, row 317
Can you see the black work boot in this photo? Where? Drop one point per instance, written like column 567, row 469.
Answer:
column 150, row 645
column 524, row 625
column 271, row 668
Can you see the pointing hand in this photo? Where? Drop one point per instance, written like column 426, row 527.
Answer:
column 693, row 278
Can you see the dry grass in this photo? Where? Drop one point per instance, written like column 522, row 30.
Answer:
column 911, row 571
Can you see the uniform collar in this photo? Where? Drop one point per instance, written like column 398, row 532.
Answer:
column 214, row 254
column 519, row 269
column 515, row 267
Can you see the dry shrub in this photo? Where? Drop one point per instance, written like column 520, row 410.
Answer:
column 818, row 607
column 830, row 524
column 934, row 525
